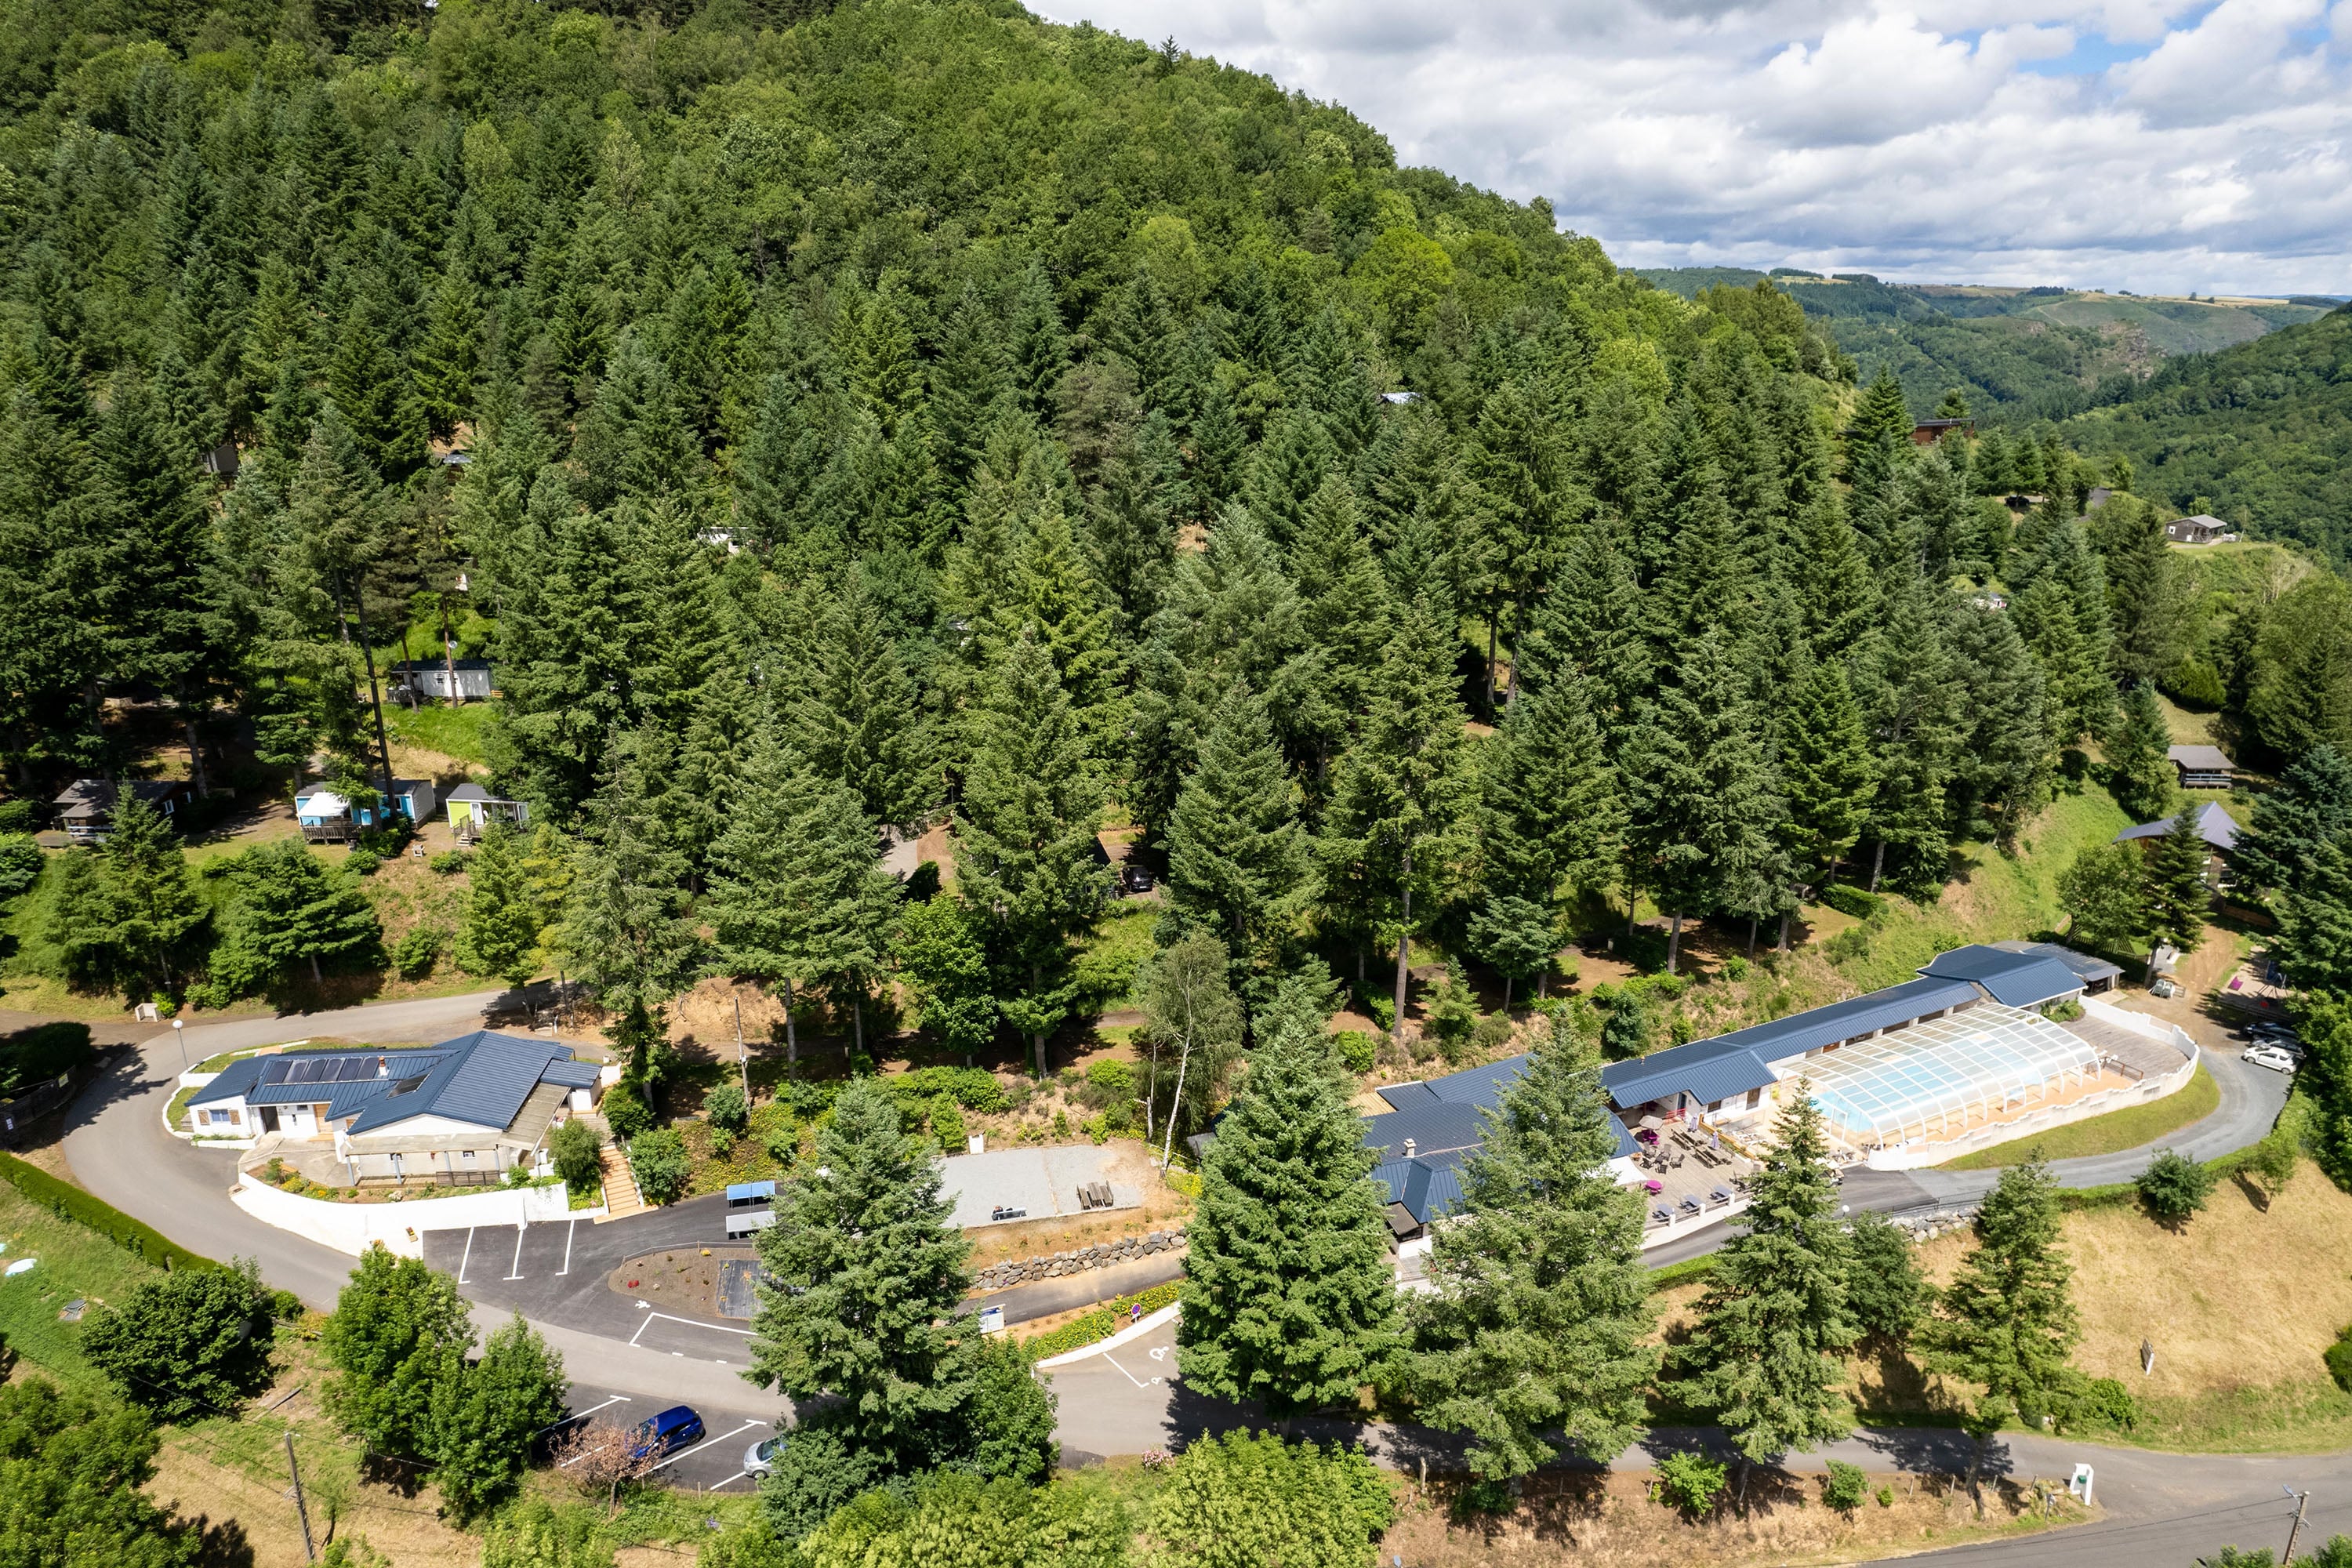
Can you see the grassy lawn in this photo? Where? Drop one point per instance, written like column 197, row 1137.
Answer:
column 2193, row 1292
column 459, row 733
column 72, row 1261
column 2109, row 1134
column 1108, row 962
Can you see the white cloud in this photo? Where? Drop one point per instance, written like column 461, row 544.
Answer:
column 2157, row 145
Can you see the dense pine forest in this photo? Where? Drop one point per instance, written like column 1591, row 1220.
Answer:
column 916, row 414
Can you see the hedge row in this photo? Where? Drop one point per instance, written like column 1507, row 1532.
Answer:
column 69, row 1202
column 1102, row 1321
column 1853, row 901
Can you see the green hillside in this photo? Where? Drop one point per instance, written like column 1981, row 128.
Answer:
column 2259, row 434
column 2018, row 353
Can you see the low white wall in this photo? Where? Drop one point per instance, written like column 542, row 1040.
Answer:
column 353, row 1228
column 2142, row 1025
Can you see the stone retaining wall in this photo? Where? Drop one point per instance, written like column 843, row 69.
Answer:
column 1025, row 1270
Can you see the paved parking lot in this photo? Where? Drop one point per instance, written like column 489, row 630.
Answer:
column 715, row 1464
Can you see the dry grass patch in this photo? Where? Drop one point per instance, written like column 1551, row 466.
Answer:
column 409, row 1531
column 1609, row 1521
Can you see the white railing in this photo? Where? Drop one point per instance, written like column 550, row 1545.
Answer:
column 1911, row 1155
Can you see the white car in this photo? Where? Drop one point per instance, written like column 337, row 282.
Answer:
column 2269, row 1057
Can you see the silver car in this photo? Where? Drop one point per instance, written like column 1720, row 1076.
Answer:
column 760, row 1456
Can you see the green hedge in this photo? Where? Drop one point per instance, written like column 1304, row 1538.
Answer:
column 1682, row 1273
column 1102, row 1322
column 69, row 1202
column 1852, row 901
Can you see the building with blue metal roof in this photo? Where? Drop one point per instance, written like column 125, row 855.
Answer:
column 2015, row 977
column 468, row 1109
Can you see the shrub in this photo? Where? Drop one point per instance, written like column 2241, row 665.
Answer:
column 660, row 1158
column 1886, row 1497
column 1243, row 1499
column 2174, row 1187
column 578, row 1150
column 1356, row 1048
column 1625, row 1032
column 783, row 1142
column 2271, row 1162
column 189, row 1344
column 1452, row 1017
column 1854, row 901
column 449, row 862
column 626, row 1112
column 947, row 1123
column 1844, row 1488
column 728, row 1108
column 18, row 815
column 1492, row 1033
column 1848, row 945
column 2339, row 1357
column 42, row 1052
column 20, row 864
column 1690, row 1482
column 1734, row 968
column 2065, row 1010
column 414, row 954
column 363, row 862
column 1383, row 1011
column 2104, row 1401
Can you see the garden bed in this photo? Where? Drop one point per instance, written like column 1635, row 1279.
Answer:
column 678, row 1279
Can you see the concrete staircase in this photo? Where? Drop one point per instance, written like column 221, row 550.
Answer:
column 620, row 1195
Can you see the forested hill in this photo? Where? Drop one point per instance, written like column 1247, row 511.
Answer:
column 2259, row 434
column 919, row 414
column 2017, row 354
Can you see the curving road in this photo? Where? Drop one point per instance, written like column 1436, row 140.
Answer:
column 2158, row 1507
column 118, row 1149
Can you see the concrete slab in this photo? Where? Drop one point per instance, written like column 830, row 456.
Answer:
column 1045, row 1182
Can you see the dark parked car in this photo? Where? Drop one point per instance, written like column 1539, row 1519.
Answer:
column 676, row 1428
column 1135, row 879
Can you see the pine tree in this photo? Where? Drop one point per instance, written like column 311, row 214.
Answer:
column 1906, row 696
column 1701, row 806
column 1240, row 865
column 1551, row 821
column 1514, row 465
column 857, row 717
column 625, row 928
column 294, row 905
column 781, row 464
column 2007, row 1322
column 1540, row 1309
column 2314, row 919
column 632, row 444
column 1024, row 832
column 969, row 378
column 1039, row 345
column 448, row 355
column 1290, row 467
column 372, row 387
column 500, row 934
column 2139, row 769
column 1344, row 604
column 2177, row 899
column 147, row 907
column 2311, row 807
column 1400, row 794
column 1880, row 433
column 1762, row 1357
column 2006, row 759
column 1289, row 1297
column 1825, row 765
column 1056, row 599
column 866, row 1276
column 798, row 894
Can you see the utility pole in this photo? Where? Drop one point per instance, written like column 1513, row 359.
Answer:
column 742, row 1057
column 2302, row 1501
column 310, row 1553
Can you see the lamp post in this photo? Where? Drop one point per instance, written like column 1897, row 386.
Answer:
column 179, row 1033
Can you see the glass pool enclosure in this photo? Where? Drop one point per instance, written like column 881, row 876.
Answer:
column 1937, row 1079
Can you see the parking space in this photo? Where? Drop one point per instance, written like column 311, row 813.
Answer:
column 713, row 1463
column 726, row 1344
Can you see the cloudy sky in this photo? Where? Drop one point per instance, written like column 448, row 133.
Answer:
column 2145, row 145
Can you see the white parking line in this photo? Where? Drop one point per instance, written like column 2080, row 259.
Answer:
column 581, row 1415
column 674, row 1459
column 1127, row 1375
column 728, row 1483
column 468, row 1254
column 515, row 1268
column 567, row 1247
column 690, row 1323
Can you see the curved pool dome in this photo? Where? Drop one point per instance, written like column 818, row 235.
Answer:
column 1942, row 1077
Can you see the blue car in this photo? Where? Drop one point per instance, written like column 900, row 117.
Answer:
column 676, row 1428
